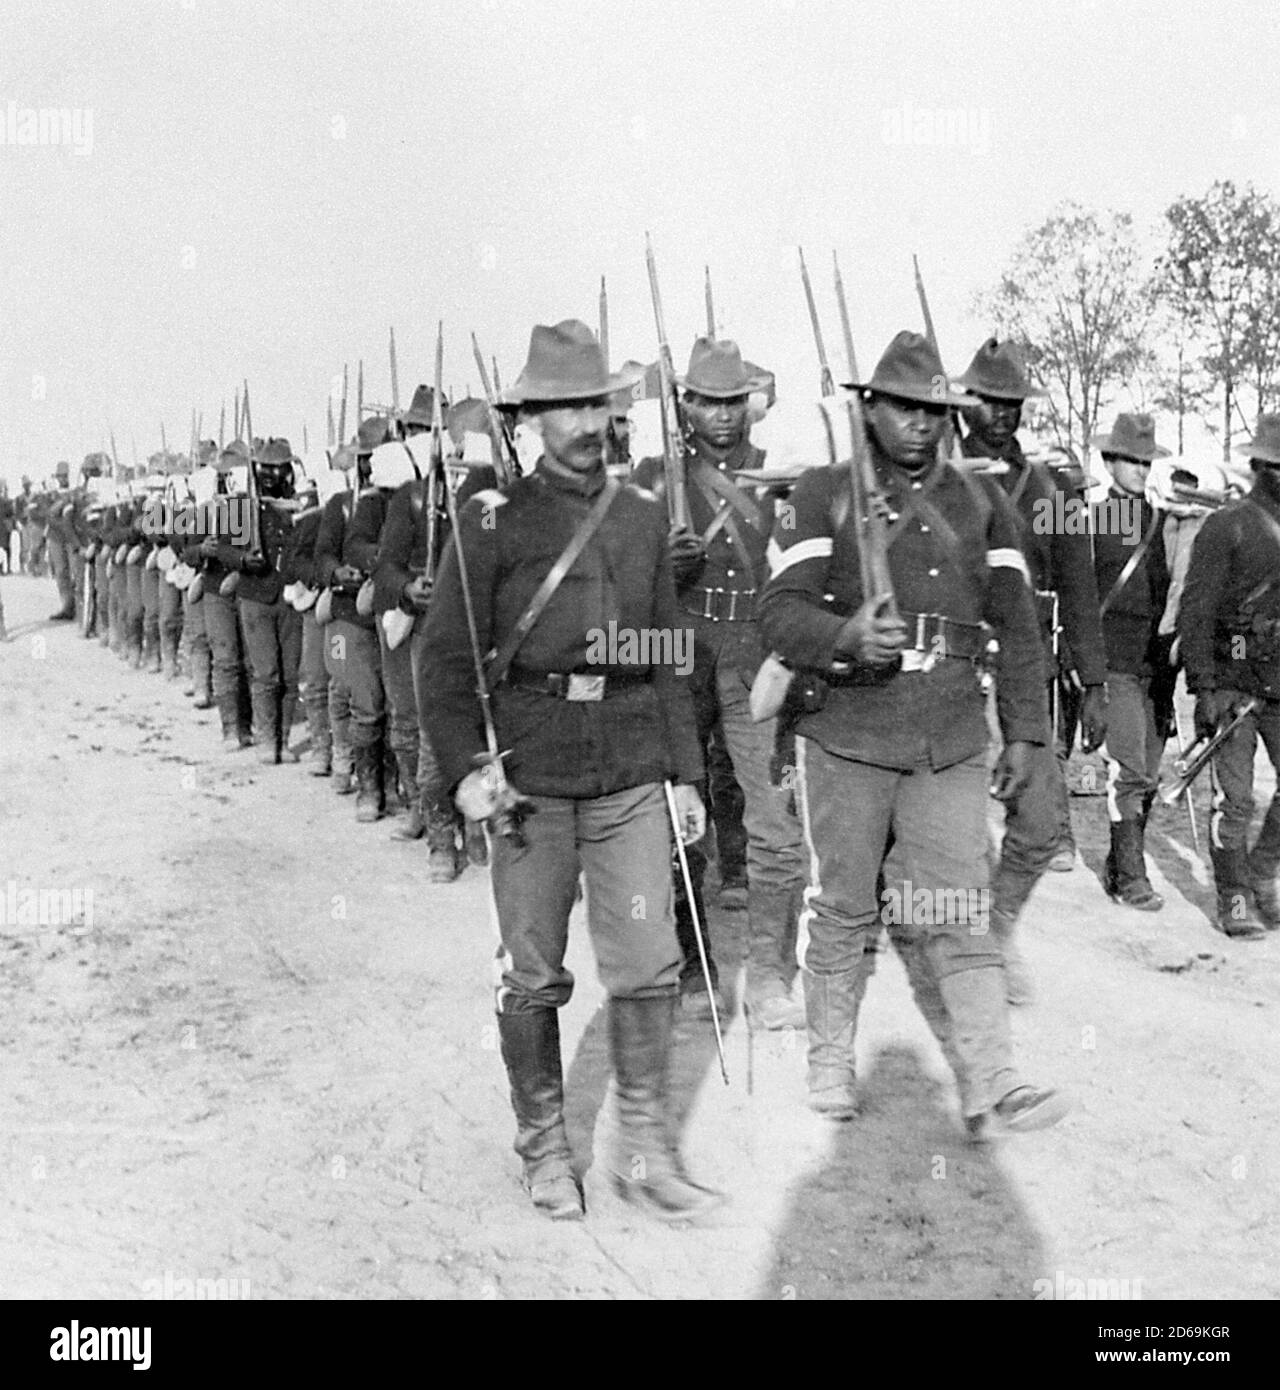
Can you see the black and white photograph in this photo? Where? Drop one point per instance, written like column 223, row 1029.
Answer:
column 639, row 660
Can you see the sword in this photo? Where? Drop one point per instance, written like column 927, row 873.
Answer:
column 697, row 925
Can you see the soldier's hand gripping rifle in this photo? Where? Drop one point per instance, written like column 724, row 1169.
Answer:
column 673, row 433
column 510, row 807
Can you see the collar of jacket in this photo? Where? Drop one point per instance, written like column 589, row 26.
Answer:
column 1266, row 491
column 737, row 457
column 562, row 479
column 896, row 481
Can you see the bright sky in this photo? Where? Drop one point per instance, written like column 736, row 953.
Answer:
column 265, row 188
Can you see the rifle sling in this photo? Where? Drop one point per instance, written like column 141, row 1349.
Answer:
column 499, row 660
column 1131, row 564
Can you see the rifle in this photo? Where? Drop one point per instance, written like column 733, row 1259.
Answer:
column 505, row 458
column 1198, row 756
column 342, row 409
column 359, row 392
column 395, row 380
column 711, row 304
column 255, row 536
column 844, row 320
column 222, row 425
column 949, row 443
column 673, row 434
column 435, row 469
column 604, row 322
column 826, row 382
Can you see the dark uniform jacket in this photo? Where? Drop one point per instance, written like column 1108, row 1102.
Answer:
column 275, row 536
column 1131, row 623
column 905, row 718
column 302, row 552
column 402, row 549
column 333, row 548
column 726, row 568
column 1058, row 559
column 1229, row 621
column 643, row 733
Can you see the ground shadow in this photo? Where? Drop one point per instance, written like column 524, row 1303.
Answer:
column 905, row 1207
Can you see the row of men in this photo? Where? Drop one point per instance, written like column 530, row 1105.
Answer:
column 891, row 734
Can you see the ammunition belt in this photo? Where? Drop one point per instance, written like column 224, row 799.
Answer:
column 587, row 687
column 720, row 605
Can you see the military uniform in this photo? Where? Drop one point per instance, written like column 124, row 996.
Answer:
column 591, row 743
column 898, row 754
column 313, row 678
column 1229, row 624
column 221, row 614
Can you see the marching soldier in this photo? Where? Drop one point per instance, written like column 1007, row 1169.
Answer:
column 357, row 698
column 720, row 568
column 1037, row 824
column 1133, row 581
column 1229, row 625
column 195, row 636
column 221, row 616
column 313, row 679
column 898, row 750
column 63, row 544
column 591, row 745
column 271, row 628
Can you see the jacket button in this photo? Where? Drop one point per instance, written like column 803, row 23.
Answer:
column 933, row 574
column 924, row 530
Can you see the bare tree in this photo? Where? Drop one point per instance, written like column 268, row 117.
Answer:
column 1074, row 294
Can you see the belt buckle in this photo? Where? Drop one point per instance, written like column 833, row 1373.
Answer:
column 713, row 604
column 585, row 688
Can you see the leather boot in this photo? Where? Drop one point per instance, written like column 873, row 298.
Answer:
column 646, row 1166
column 343, row 764
column 531, row 1051
column 997, row 1099
column 392, row 800
column 1237, row 916
column 234, row 738
column 1262, row 879
column 413, row 823
column 369, row 802
column 266, row 728
column 475, row 843
column 444, row 863
column 1019, row 986
column 771, row 919
column 320, row 758
column 1125, row 878
column 831, row 1011
column 288, row 709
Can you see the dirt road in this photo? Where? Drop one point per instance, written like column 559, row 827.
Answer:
column 262, row 1051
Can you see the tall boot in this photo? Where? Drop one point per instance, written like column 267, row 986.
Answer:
column 928, row 998
column 1125, row 878
column 411, row 826
column 288, row 708
column 369, row 802
column 1237, row 916
column 475, row 842
column 771, row 918
column 444, row 863
column 320, row 758
column 531, row 1051
column 647, row 1169
column 234, row 737
column 997, row 1097
column 266, row 728
column 831, row 1005
column 1262, row 879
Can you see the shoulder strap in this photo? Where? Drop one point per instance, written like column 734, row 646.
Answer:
column 1132, row 563
column 499, row 659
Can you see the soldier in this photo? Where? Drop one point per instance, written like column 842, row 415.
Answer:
column 591, row 745
column 313, row 679
column 357, row 698
column 403, row 583
column 221, row 615
column 1133, row 580
column 150, row 577
column 271, row 627
column 63, row 543
column 1037, row 823
column 195, row 636
column 117, row 591
column 898, row 749
column 1229, row 626
column 720, row 568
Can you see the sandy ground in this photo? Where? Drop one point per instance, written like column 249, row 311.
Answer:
column 264, row 1053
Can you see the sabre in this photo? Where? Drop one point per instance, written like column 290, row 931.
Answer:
column 506, row 817
column 1201, row 752
column 697, row 925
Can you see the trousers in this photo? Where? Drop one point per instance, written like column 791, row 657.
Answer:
column 1232, row 775
column 1134, row 746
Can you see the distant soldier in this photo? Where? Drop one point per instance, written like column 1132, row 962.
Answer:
column 896, row 754
column 720, row 568
column 63, row 543
column 271, row 627
column 313, row 678
column 1229, row 625
column 195, row 636
column 217, row 533
column 1133, row 581
column 1037, row 824
column 590, row 746
column 357, row 698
